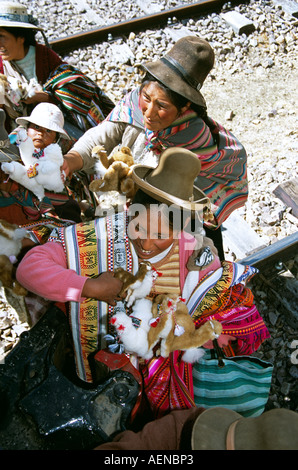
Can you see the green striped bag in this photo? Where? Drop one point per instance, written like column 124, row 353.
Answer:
column 239, row 383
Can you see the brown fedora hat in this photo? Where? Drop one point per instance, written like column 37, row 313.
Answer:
column 185, row 67
column 172, row 181
column 223, row 429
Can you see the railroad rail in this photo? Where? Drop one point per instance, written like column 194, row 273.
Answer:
column 275, row 259
column 68, row 43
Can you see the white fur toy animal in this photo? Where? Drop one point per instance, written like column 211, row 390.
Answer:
column 140, row 331
column 41, row 170
column 11, row 237
column 135, row 338
column 109, row 203
column 136, row 286
column 16, row 90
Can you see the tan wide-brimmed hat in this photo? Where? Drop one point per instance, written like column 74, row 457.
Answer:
column 172, row 181
column 45, row 115
column 13, row 14
column 185, row 67
column 223, row 429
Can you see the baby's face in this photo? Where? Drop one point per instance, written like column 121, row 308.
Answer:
column 41, row 136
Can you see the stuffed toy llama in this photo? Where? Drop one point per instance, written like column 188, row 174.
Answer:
column 136, row 286
column 166, row 319
column 17, row 90
column 172, row 324
column 133, row 330
column 114, row 172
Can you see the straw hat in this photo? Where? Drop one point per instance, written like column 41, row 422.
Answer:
column 223, row 429
column 185, row 67
column 45, row 115
column 172, row 181
column 14, row 14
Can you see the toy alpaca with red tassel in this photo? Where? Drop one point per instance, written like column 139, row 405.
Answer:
column 172, row 324
column 136, row 286
column 166, row 319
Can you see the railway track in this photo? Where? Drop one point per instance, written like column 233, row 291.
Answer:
column 154, row 17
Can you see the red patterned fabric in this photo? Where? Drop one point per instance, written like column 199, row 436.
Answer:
column 168, row 384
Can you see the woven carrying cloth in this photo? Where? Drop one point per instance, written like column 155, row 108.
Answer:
column 223, row 296
column 92, row 248
column 80, row 97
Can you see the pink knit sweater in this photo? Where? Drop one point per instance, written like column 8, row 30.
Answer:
column 44, row 271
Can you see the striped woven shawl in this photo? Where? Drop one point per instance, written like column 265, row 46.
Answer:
column 80, row 97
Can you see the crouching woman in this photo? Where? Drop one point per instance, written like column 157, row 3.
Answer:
column 76, row 266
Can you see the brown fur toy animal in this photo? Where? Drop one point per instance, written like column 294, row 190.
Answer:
column 4, row 84
column 8, row 276
column 136, row 286
column 172, row 324
column 114, row 172
column 11, row 237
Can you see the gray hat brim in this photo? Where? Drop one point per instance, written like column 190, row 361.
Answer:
column 139, row 174
column 210, row 429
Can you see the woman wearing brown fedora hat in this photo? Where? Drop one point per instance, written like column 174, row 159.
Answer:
column 168, row 110
column 77, row 265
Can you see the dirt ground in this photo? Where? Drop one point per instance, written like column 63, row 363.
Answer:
column 264, row 105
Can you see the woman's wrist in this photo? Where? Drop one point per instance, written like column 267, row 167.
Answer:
column 73, row 161
column 91, row 289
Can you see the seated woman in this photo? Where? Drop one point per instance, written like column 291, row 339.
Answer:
column 23, row 58
column 168, row 110
column 76, row 268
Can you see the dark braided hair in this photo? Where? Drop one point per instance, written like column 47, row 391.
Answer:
column 27, row 33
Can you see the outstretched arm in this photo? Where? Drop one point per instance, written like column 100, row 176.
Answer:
column 108, row 134
column 44, row 272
